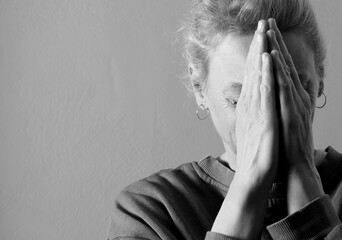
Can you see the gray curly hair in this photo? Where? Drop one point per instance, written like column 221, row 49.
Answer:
column 211, row 20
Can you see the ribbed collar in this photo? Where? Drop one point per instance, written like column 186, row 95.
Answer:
column 217, row 170
column 329, row 166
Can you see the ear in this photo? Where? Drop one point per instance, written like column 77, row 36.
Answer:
column 320, row 88
column 200, row 94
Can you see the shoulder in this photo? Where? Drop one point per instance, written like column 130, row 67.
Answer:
column 151, row 207
column 330, row 169
column 161, row 185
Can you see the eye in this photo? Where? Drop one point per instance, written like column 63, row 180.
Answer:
column 232, row 101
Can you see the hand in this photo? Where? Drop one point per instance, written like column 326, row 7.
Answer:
column 256, row 117
column 296, row 113
column 257, row 146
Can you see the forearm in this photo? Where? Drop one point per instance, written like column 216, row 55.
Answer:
column 242, row 213
column 317, row 220
column 304, row 186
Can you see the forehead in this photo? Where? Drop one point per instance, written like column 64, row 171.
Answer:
column 230, row 56
column 301, row 52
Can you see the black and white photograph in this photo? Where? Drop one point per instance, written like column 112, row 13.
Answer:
column 170, row 120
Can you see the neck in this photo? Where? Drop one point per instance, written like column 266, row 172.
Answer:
column 229, row 156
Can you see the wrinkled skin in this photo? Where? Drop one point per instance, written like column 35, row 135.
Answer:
column 261, row 93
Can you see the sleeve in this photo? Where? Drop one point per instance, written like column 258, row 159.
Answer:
column 144, row 210
column 217, row 236
column 128, row 219
column 317, row 220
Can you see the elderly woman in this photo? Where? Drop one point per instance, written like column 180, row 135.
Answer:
column 257, row 67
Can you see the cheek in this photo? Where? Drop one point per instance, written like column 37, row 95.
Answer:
column 224, row 120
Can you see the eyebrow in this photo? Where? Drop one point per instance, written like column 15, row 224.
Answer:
column 232, row 87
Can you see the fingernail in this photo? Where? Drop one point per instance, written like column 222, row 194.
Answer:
column 260, row 23
column 277, row 54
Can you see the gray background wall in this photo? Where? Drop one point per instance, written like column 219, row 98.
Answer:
column 91, row 100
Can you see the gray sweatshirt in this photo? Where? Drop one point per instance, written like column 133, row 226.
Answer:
column 182, row 203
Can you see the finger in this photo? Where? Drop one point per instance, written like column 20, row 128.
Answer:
column 253, row 62
column 287, row 56
column 263, row 27
column 258, row 44
column 284, row 87
column 274, row 45
column 267, row 89
column 257, row 69
column 282, row 46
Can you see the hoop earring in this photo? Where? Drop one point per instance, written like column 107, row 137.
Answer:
column 202, row 108
column 325, row 101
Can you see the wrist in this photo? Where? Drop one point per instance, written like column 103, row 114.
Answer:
column 243, row 210
column 304, row 186
column 250, row 182
column 249, row 191
column 304, row 173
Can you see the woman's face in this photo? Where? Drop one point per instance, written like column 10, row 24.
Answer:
column 225, row 78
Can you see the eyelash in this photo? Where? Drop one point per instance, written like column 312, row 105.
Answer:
column 232, row 101
column 235, row 101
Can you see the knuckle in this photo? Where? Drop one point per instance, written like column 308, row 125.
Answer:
column 288, row 57
column 265, row 71
column 287, row 70
column 256, row 73
column 264, row 88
